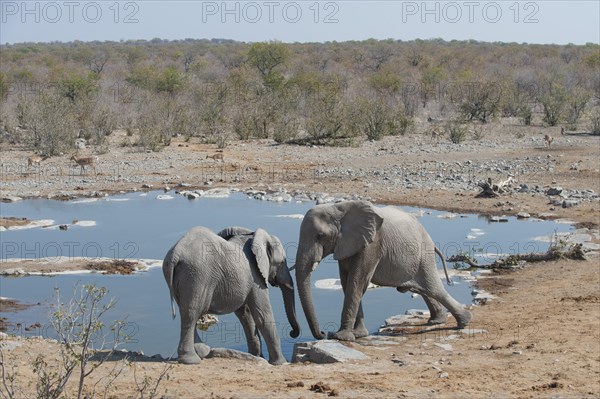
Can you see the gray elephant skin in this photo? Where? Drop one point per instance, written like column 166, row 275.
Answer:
column 224, row 273
column 385, row 246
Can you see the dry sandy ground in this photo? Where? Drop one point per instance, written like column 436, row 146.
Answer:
column 543, row 331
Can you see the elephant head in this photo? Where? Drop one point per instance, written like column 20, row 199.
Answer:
column 272, row 265
column 341, row 229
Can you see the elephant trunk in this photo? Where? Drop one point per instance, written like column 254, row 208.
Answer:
column 305, row 293
column 290, row 310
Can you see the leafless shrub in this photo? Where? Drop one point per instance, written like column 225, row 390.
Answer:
column 8, row 373
column 49, row 124
column 148, row 387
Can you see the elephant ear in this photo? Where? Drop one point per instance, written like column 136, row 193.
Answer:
column 229, row 232
column 358, row 226
column 260, row 249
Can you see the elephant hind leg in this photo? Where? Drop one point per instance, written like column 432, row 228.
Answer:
column 186, row 350
column 433, row 288
column 250, row 330
column 437, row 313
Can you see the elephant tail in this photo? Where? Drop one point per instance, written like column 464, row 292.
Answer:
column 437, row 251
column 168, row 269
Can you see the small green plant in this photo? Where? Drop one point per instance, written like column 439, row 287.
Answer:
column 526, row 116
column 457, row 132
column 478, row 133
column 147, row 388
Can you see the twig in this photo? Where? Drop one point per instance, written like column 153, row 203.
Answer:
column 574, row 252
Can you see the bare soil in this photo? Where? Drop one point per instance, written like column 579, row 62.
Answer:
column 543, row 331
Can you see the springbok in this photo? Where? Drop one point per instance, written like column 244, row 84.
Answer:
column 83, row 162
column 436, row 134
column 216, row 157
column 35, row 160
column 548, row 141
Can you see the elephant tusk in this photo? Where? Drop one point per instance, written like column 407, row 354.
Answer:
column 314, row 266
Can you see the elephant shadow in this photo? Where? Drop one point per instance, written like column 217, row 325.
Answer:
column 131, row 356
column 416, row 329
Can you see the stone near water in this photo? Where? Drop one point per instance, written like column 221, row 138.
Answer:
column 13, row 198
column 554, row 191
column 417, row 312
column 569, row 203
column 523, row 215
column 325, row 351
column 446, row 347
column 233, row 354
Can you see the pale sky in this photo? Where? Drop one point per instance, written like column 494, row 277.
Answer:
column 558, row 22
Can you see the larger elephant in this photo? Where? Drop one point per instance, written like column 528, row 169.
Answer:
column 224, row 273
column 385, row 246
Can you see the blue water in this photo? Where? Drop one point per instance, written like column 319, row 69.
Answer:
column 144, row 227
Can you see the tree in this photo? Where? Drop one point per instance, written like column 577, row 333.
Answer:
column 49, row 123
column 552, row 96
column 377, row 118
column 577, row 99
column 265, row 57
column 480, row 100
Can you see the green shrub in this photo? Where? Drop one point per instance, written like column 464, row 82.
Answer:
column 457, row 132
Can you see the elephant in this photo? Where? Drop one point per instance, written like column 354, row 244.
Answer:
column 210, row 273
column 385, row 246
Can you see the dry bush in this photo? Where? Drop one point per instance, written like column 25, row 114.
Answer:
column 49, row 123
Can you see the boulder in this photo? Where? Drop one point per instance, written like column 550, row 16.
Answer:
column 569, row 203
column 554, row 191
column 325, row 351
column 233, row 354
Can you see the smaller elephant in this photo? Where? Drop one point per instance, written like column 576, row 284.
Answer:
column 224, row 273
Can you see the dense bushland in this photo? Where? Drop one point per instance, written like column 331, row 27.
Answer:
column 331, row 93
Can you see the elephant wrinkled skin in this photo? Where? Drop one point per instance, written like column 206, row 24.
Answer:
column 385, row 246
column 224, row 273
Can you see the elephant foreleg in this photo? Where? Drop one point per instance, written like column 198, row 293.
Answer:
column 250, row 330
column 360, row 330
column 357, row 278
column 260, row 308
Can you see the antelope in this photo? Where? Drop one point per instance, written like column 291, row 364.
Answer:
column 215, row 157
column 548, row 141
column 35, row 160
column 436, row 135
column 83, row 162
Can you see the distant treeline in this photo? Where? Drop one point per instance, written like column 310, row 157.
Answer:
column 326, row 93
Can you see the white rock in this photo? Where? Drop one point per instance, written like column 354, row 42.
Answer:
column 446, row 347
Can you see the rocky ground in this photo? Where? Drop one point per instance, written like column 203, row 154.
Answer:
column 541, row 332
